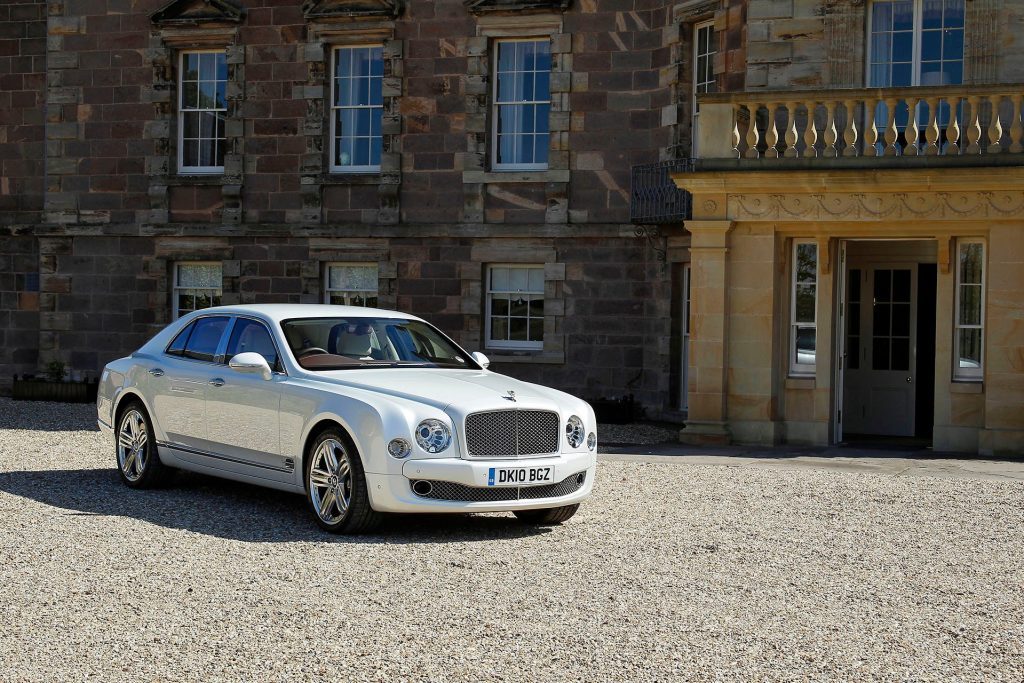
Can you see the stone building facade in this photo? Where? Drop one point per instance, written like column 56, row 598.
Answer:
column 97, row 214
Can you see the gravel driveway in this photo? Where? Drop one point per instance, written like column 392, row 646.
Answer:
column 671, row 572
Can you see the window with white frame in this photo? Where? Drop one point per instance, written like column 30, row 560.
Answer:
column 515, row 306
column 916, row 42
column 704, row 49
column 357, row 109
column 202, row 108
column 351, row 284
column 803, row 307
column 522, row 104
column 912, row 43
column 970, row 310
column 196, row 286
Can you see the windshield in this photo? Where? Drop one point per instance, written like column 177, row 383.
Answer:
column 343, row 343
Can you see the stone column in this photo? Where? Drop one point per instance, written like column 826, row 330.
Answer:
column 708, row 333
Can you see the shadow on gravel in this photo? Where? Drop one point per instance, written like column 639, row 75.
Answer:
column 236, row 511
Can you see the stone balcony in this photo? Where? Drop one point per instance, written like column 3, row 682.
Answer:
column 872, row 127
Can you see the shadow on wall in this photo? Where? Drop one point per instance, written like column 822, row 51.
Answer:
column 236, row 511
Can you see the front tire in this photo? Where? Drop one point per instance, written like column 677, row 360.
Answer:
column 547, row 516
column 138, row 462
column 336, row 486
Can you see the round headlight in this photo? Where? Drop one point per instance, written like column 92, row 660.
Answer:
column 592, row 441
column 399, row 448
column 574, row 431
column 433, row 436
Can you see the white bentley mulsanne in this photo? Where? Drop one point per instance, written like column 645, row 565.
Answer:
column 363, row 411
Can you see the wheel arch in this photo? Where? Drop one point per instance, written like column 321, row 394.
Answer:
column 318, row 426
column 124, row 397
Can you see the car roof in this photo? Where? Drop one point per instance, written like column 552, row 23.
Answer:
column 279, row 312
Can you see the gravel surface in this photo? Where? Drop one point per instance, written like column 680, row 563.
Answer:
column 671, row 572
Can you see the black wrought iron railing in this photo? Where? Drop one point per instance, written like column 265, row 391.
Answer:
column 654, row 198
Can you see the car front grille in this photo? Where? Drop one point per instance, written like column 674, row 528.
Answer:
column 447, row 490
column 511, row 433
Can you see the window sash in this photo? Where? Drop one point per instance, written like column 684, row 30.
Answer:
column 178, row 290
column 886, row 68
column 800, row 326
column 975, row 331
column 349, row 292
column 205, row 119
column 514, row 110
column 531, row 294
column 367, row 113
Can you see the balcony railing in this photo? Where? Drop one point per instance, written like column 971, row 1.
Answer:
column 654, row 198
column 943, row 121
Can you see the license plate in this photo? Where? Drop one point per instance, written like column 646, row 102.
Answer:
column 520, row 476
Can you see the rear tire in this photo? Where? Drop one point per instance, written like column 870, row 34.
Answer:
column 138, row 462
column 336, row 486
column 547, row 516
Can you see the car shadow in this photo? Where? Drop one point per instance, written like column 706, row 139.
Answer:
column 236, row 511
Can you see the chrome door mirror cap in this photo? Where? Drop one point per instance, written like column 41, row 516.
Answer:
column 481, row 359
column 251, row 362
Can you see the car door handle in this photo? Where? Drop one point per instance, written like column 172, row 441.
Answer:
column 216, row 382
column 156, row 372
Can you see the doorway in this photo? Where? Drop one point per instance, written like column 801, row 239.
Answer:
column 887, row 341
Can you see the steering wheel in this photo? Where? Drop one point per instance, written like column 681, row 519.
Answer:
column 311, row 350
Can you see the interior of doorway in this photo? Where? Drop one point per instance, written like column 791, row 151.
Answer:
column 887, row 394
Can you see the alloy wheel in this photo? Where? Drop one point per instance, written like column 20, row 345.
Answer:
column 132, row 442
column 330, row 481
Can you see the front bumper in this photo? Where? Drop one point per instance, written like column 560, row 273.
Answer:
column 393, row 493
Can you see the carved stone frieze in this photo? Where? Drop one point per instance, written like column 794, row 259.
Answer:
column 877, row 206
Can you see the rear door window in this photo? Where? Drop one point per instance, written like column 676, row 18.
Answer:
column 177, row 347
column 205, row 338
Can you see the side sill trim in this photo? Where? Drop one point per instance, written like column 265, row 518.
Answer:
column 208, row 454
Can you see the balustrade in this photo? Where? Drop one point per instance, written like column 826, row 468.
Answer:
column 927, row 121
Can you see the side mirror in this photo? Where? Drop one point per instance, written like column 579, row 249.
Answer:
column 481, row 359
column 250, row 362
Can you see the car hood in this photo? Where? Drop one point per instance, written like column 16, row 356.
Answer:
column 457, row 392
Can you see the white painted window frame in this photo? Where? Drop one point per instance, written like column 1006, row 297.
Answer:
column 328, row 290
column 182, row 168
column 509, row 344
column 175, row 287
column 802, row 369
column 918, row 35
column 697, row 83
column 338, row 168
column 495, row 105
column 969, row 374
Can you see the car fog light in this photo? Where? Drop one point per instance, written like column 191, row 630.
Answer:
column 399, row 448
column 574, row 431
column 592, row 441
column 433, row 436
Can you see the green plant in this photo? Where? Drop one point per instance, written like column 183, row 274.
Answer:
column 55, row 371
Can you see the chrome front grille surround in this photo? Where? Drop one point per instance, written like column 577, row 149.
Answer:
column 447, row 490
column 511, row 433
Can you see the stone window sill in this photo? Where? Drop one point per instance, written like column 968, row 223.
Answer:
column 549, row 357
column 352, row 179
column 798, row 382
column 488, row 177
column 964, row 386
column 208, row 179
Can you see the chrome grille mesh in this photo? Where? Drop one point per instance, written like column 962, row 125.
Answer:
column 447, row 490
column 511, row 433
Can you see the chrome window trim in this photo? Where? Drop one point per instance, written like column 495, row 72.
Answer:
column 221, row 345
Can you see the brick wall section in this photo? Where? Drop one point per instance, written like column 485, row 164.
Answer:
column 22, row 102
column 19, row 308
